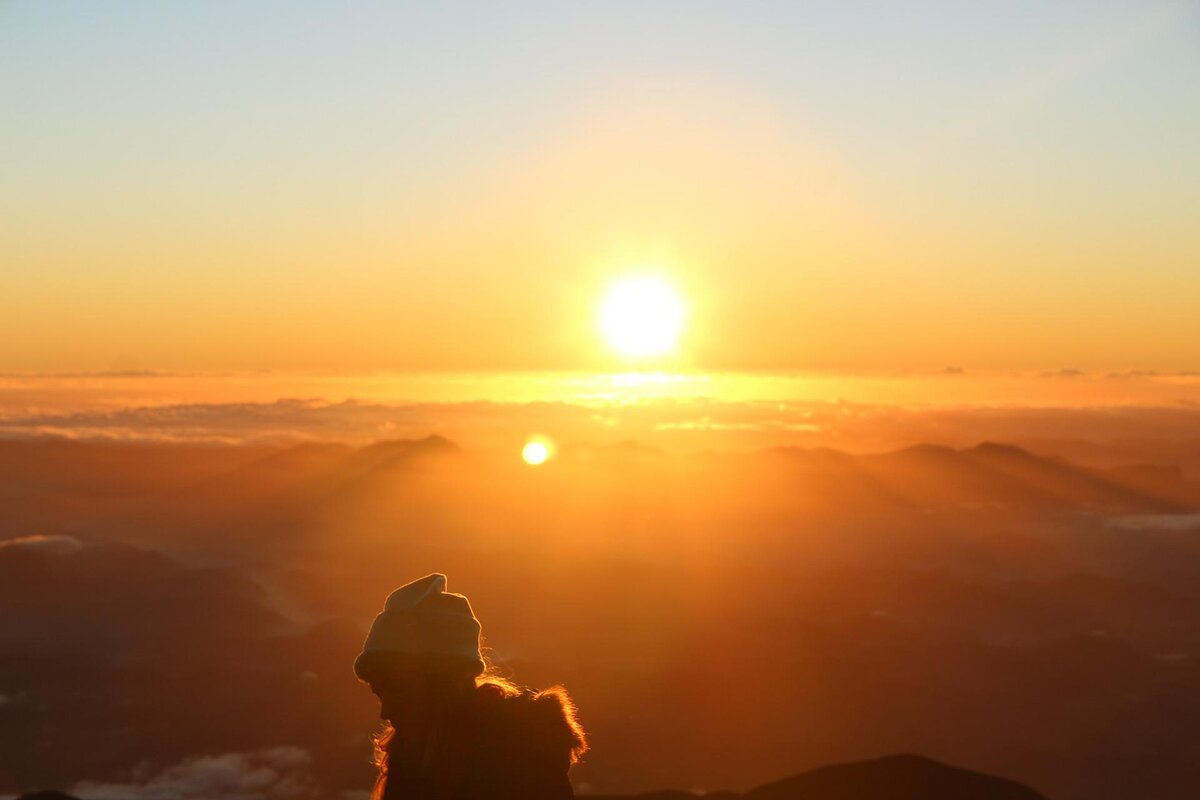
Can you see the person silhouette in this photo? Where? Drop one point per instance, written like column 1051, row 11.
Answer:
column 456, row 730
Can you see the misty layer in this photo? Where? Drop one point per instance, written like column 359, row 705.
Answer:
column 775, row 611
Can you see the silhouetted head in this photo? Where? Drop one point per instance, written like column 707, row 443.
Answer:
column 423, row 629
column 441, row 699
column 405, row 693
column 421, row 657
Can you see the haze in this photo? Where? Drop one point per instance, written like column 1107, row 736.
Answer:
column 799, row 384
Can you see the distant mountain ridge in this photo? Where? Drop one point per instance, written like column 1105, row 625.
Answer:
column 990, row 474
column 894, row 777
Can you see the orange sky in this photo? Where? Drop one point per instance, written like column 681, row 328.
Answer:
column 1028, row 206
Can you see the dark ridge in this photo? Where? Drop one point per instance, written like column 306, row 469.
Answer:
column 390, row 453
column 305, row 452
column 895, row 777
column 432, row 444
column 999, row 449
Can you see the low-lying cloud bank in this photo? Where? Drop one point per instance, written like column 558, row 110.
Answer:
column 56, row 544
column 1101, row 435
column 1156, row 522
column 276, row 773
column 691, row 411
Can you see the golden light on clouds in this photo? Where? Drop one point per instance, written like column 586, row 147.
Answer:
column 642, row 317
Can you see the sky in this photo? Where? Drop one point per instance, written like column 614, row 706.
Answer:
column 417, row 187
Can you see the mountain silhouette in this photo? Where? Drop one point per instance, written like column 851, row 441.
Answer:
column 895, row 777
column 987, row 476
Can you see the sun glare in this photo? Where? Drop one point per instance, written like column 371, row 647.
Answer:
column 536, row 451
column 642, row 317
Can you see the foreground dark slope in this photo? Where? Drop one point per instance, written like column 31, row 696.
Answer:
column 719, row 618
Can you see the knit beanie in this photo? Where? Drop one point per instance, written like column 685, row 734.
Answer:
column 425, row 628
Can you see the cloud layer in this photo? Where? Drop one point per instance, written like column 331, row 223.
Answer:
column 56, row 544
column 276, row 773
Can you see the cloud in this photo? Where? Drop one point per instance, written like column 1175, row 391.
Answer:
column 276, row 773
column 1157, row 522
column 1041, row 410
column 55, row 544
column 286, row 419
column 759, row 426
column 106, row 373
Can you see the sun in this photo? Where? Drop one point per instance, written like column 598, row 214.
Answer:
column 536, row 451
column 642, row 317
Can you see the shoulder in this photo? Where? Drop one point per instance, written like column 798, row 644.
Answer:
column 535, row 723
column 526, row 743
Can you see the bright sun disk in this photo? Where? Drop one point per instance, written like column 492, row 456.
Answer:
column 642, row 317
column 535, row 452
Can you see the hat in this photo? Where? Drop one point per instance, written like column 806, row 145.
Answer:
column 425, row 628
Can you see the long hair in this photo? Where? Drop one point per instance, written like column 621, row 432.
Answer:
column 441, row 743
